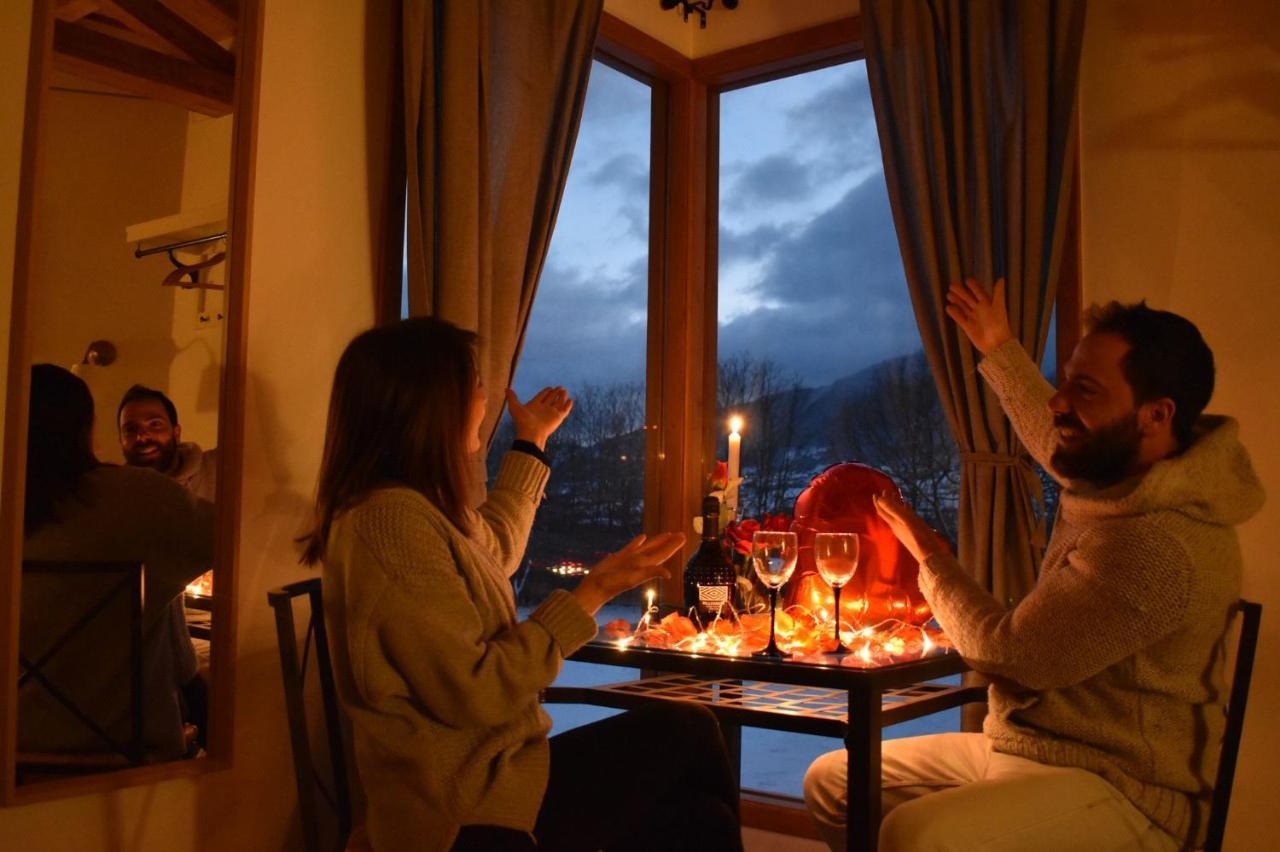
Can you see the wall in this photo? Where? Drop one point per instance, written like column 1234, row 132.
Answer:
column 311, row 270
column 110, row 161
column 15, row 36
column 1180, row 105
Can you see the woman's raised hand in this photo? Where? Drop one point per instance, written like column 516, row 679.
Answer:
column 537, row 419
column 639, row 562
column 981, row 315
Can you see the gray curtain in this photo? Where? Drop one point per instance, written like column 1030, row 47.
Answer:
column 975, row 101
column 493, row 93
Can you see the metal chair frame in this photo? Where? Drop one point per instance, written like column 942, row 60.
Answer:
column 130, row 586
column 1246, row 649
column 294, row 669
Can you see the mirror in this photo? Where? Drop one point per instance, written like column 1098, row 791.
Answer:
column 132, row 294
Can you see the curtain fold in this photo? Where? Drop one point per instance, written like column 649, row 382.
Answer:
column 493, row 94
column 975, row 103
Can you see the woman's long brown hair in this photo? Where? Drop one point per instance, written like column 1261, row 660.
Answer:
column 399, row 407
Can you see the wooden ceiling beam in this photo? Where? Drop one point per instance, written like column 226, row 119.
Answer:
column 216, row 20
column 115, row 28
column 189, row 39
column 95, row 56
column 74, row 10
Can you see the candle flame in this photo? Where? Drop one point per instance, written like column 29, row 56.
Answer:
column 735, row 423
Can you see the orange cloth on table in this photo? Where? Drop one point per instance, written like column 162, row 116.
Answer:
column 839, row 500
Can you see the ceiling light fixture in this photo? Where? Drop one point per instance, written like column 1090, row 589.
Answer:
column 699, row 6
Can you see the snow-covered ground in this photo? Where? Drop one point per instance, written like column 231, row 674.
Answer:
column 774, row 761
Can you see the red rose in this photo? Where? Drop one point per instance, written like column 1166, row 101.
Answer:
column 738, row 534
column 719, row 476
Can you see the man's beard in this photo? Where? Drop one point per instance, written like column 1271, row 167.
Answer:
column 161, row 461
column 1104, row 456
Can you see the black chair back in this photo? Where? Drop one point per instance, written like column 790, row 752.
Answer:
column 1251, row 617
column 293, row 666
column 79, row 598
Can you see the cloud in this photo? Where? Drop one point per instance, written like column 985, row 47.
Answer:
column 628, row 172
column 586, row 328
column 834, row 294
column 752, row 244
column 771, row 179
column 840, row 120
column 612, row 94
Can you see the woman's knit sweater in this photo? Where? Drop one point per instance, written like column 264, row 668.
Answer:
column 438, row 677
column 1114, row 661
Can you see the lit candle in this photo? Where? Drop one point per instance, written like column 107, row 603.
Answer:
column 735, row 462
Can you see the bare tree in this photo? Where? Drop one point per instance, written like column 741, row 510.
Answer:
column 768, row 396
column 896, row 424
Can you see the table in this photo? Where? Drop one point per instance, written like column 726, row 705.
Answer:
column 801, row 696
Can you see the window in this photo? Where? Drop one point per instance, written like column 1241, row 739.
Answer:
column 817, row 343
column 588, row 332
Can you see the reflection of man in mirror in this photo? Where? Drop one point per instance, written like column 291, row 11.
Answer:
column 150, row 436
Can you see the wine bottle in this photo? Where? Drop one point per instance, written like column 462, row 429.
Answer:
column 709, row 578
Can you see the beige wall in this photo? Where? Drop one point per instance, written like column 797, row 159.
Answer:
column 1180, row 106
column 310, row 290
column 15, row 36
column 110, row 161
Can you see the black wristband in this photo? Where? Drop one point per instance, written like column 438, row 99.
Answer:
column 530, row 448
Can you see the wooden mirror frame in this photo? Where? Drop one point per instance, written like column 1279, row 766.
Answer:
column 230, row 420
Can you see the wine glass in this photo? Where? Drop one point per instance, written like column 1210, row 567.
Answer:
column 837, row 556
column 774, row 555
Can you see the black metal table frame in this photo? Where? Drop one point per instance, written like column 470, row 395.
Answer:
column 905, row 684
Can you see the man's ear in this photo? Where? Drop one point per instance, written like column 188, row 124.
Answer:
column 1158, row 415
column 177, row 434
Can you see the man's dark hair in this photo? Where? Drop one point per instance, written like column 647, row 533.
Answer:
column 138, row 392
column 1167, row 358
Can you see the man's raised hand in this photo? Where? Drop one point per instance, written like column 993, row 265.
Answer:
column 980, row 314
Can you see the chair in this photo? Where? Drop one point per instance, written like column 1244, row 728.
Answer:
column 294, row 669
column 1251, row 617
column 69, row 607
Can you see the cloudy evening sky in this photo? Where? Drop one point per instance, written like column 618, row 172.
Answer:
column 810, row 275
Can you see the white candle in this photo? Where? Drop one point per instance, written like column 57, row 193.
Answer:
column 735, row 461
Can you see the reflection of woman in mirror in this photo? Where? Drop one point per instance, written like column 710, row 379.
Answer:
column 438, row 675
column 80, row 510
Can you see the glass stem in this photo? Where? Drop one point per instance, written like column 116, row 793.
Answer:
column 837, row 591
column 773, row 616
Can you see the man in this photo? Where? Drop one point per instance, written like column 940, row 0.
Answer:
column 1107, row 684
column 150, row 436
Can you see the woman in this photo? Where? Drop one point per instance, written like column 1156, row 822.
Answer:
column 77, row 509
column 439, row 678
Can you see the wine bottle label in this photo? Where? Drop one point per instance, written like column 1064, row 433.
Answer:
column 713, row 597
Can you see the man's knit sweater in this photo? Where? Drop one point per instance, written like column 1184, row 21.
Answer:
column 1114, row 662
column 440, row 680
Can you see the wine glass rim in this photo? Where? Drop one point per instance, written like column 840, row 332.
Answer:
column 765, row 535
